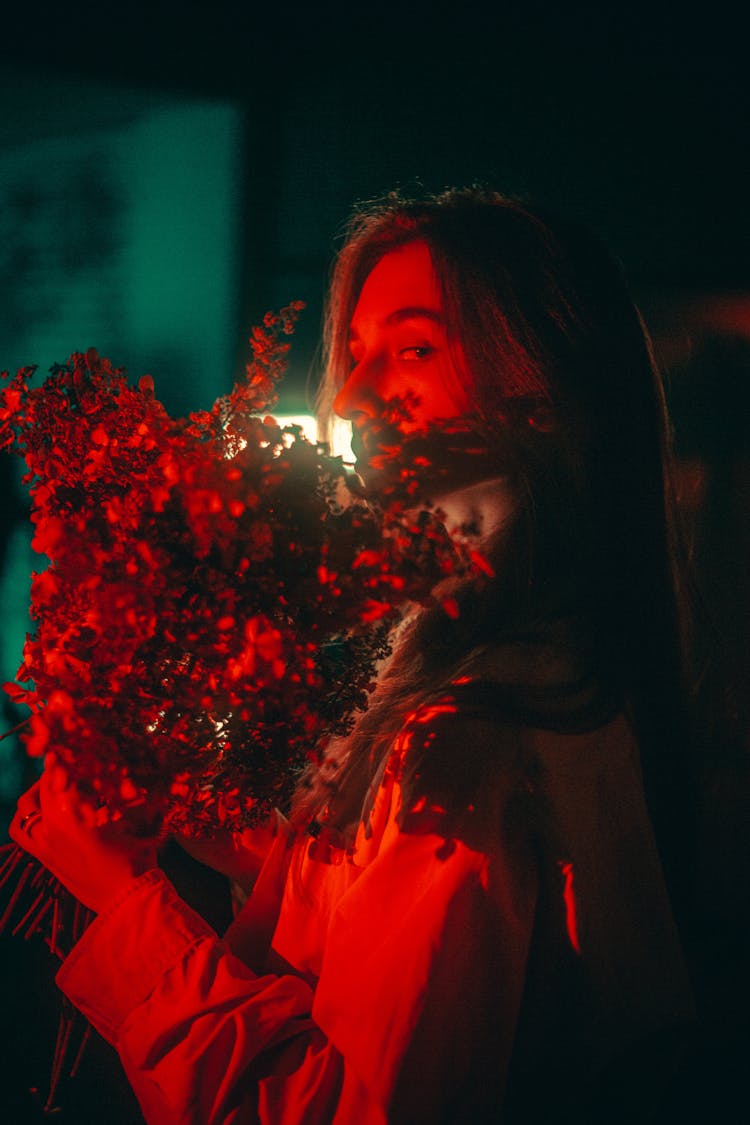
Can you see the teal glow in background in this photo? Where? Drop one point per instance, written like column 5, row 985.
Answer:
column 121, row 236
column 125, row 239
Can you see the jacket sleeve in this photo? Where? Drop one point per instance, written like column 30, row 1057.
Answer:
column 412, row 1019
column 203, row 1040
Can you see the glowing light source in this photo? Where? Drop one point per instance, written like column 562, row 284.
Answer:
column 341, row 432
column 341, row 440
column 306, row 421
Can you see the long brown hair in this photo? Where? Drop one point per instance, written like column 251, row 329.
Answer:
column 564, row 385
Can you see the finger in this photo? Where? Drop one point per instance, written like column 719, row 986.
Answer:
column 49, row 799
column 27, row 812
column 27, row 823
column 29, row 800
column 56, row 793
column 58, row 777
column 91, row 815
column 23, row 820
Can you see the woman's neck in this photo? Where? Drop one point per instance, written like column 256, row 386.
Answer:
column 479, row 510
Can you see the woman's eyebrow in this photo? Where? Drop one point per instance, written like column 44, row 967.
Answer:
column 414, row 312
column 409, row 312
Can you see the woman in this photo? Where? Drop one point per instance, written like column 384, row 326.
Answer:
column 468, row 918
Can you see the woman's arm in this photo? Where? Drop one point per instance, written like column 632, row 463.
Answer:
column 411, row 1021
column 203, row 1040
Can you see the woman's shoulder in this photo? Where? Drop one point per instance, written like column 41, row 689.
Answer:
column 482, row 717
column 484, row 744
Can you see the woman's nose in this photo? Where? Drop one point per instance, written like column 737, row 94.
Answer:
column 357, row 399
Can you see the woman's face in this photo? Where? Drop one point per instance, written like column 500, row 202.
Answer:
column 399, row 346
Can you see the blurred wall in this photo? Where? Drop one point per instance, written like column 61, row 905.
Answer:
column 119, row 221
column 124, row 237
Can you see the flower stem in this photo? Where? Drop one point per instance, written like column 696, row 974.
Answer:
column 16, row 728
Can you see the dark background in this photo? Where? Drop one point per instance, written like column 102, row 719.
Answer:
column 634, row 120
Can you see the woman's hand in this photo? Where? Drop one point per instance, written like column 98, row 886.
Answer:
column 94, row 861
column 238, row 855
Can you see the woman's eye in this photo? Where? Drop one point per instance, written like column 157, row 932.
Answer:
column 416, row 352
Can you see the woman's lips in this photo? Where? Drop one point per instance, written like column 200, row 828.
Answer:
column 447, row 455
column 358, row 448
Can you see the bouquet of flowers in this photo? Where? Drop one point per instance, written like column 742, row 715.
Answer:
column 217, row 598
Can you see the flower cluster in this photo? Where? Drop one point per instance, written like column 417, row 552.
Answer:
column 216, row 599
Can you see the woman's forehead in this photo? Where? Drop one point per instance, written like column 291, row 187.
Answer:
column 402, row 284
